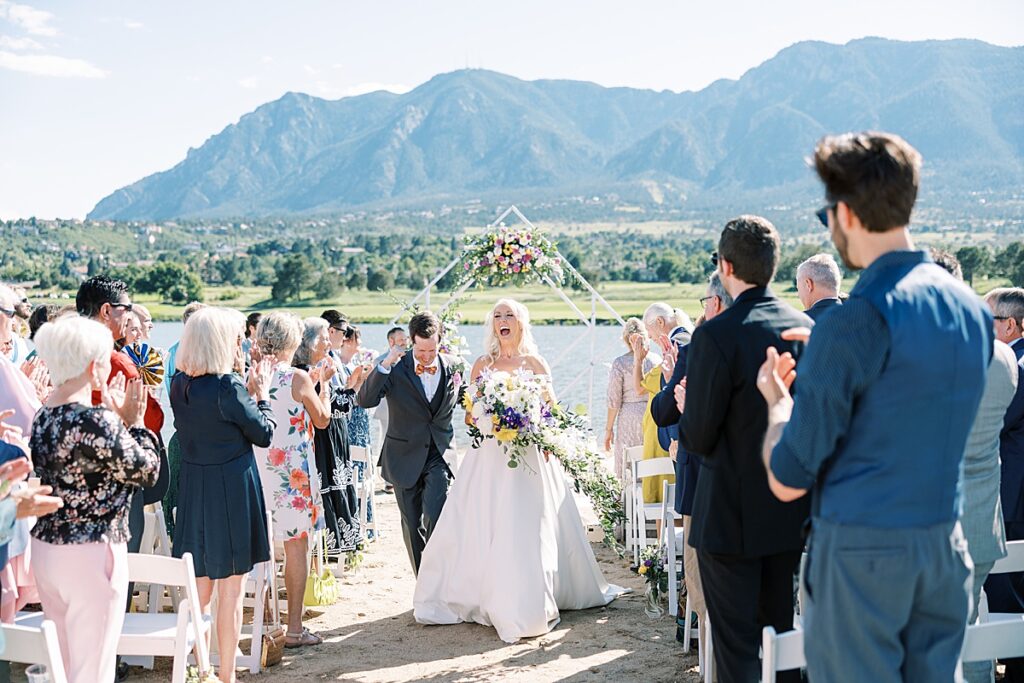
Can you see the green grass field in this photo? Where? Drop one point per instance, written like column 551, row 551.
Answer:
column 627, row 298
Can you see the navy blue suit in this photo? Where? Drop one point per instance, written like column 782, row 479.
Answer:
column 666, row 415
column 820, row 307
column 1006, row 591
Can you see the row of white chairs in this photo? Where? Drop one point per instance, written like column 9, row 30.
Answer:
column 993, row 636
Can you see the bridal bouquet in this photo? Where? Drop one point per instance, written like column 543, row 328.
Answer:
column 511, row 408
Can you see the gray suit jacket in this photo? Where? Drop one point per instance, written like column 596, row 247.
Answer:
column 982, row 518
column 413, row 424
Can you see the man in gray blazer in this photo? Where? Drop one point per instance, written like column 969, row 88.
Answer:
column 421, row 397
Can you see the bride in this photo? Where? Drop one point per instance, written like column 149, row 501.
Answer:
column 509, row 549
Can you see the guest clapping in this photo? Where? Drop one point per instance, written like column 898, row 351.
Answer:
column 221, row 515
column 627, row 405
column 94, row 458
column 287, row 467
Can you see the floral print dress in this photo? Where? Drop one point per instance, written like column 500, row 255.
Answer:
column 288, row 466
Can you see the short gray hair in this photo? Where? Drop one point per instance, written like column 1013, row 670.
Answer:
column 823, row 271
column 1007, row 302
column 716, row 288
column 312, row 328
column 190, row 310
column 68, row 345
column 279, row 331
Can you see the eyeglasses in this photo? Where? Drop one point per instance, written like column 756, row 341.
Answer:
column 126, row 307
column 822, row 213
column 714, row 259
column 704, row 299
column 9, row 312
column 1000, row 317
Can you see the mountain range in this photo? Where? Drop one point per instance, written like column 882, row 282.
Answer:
column 476, row 134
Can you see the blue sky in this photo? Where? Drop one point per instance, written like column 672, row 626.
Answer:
column 95, row 95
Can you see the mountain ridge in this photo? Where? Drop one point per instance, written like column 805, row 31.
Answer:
column 467, row 133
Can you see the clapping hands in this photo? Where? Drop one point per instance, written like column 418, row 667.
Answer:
column 639, row 346
column 680, row 395
column 669, row 356
column 260, row 374
column 12, row 434
column 37, row 373
column 777, row 373
column 127, row 398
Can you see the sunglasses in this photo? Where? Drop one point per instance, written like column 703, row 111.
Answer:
column 822, row 213
column 714, row 259
column 9, row 312
column 126, row 307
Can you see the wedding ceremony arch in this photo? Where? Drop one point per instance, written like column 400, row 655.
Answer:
column 521, row 255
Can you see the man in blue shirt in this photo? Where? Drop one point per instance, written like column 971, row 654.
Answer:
column 889, row 388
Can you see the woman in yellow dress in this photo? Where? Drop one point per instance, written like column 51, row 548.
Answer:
column 649, row 383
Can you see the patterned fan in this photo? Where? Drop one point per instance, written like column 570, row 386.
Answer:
column 149, row 362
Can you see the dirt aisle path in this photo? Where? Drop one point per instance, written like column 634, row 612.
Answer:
column 371, row 637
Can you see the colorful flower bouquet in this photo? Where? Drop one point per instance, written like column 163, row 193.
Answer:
column 510, row 256
column 511, row 408
column 652, row 568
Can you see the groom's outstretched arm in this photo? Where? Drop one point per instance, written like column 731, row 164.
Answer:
column 379, row 381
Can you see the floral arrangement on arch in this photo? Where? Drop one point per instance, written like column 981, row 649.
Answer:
column 510, row 256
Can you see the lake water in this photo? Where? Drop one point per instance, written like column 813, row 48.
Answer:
column 566, row 347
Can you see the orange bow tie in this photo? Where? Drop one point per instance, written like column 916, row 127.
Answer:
column 421, row 368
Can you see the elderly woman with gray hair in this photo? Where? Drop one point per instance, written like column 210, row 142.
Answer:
column 330, row 444
column 300, row 401
column 94, row 458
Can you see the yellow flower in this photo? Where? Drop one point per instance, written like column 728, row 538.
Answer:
column 467, row 402
column 642, row 570
column 505, row 434
column 495, row 420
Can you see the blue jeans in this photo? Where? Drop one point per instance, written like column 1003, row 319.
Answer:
column 886, row 605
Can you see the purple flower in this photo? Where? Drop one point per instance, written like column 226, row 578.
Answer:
column 648, row 563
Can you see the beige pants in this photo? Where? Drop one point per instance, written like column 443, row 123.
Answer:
column 692, row 577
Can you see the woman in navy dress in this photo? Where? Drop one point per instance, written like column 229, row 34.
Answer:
column 221, row 516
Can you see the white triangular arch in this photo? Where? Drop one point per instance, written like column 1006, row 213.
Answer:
column 590, row 321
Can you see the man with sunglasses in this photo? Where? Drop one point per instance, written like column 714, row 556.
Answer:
column 890, row 385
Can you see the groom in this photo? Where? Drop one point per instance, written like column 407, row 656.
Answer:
column 421, row 396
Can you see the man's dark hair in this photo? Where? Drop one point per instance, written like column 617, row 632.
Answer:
column 948, row 261
column 875, row 174
column 41, row 314
column 751, row 245
column 252, row 320
column 95, row 292
column 424, row 325
column 334, row 317
column 393, row 331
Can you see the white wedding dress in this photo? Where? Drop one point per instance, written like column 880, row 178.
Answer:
column 509, row 549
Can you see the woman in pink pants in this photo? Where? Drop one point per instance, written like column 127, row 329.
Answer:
column 94, row 458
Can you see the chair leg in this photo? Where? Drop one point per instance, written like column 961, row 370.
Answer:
column 686, row 621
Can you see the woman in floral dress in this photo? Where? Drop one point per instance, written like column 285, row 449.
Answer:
column 287, row 467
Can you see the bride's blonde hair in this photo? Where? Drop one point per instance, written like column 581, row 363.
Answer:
column 526, row 347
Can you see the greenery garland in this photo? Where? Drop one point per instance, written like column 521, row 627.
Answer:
column 510, row 256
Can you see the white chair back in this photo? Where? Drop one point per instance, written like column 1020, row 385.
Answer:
column 1003, row 639
column 34, row 645
column 1014, row 560
column 781, row 652
column 653, row 467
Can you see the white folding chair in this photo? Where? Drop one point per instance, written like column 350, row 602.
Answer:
column 159, row 635
column 1013, row 562
column 1002, row 639
column 781, row 652
column 674, row 541
column 632, row 453
column 709, row 651
column 167, row 635
column 645, row 512
column 34, row 645
column 155, row 541
column 365, row 489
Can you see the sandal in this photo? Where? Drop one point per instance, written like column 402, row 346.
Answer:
column 304, row 639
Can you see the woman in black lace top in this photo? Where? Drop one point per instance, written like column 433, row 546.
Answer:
column 94, row 458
